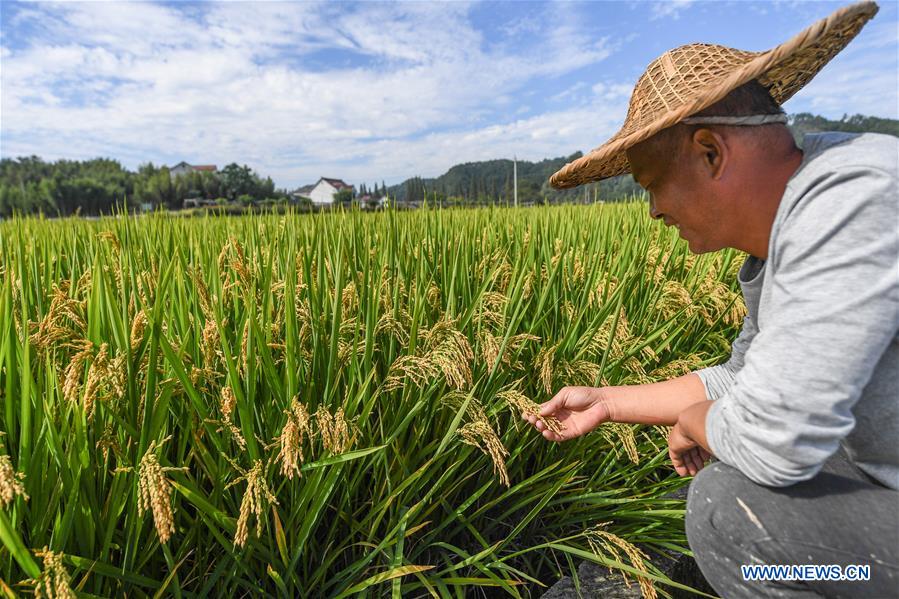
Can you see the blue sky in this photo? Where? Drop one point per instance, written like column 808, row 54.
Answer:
column 375, row 91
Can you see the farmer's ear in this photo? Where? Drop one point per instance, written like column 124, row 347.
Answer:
column 711, row 150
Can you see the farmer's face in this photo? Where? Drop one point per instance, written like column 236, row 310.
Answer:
column 681, row 194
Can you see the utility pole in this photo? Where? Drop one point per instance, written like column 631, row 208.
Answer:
column 515, row 178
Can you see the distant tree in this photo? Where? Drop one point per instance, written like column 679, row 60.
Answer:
column 237, row 180
column 344, row 196
column 805, row 122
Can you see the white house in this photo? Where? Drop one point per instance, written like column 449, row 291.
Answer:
column 183, row 168
column 303, row 192
column 323, row 192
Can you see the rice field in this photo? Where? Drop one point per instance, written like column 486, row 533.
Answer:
column 329, row 405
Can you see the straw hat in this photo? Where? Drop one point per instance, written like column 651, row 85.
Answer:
column 690, row 78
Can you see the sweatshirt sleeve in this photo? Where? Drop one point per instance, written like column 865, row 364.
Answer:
column 718, row 379
column 832, row 311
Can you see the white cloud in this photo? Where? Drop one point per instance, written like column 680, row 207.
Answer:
column 365, row 92
column 669, row 9
column 238, row 82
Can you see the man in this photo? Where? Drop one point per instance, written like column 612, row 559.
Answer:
column 804, row 418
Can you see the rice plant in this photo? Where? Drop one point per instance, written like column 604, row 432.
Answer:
column 329, row 405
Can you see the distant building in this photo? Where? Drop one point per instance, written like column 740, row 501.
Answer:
column 183, row 168
column 303, row 193
column 367, row 202
column 322, row 193
column 198, row 203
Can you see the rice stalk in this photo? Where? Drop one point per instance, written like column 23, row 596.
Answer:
column 621, row 434
column 604, row 543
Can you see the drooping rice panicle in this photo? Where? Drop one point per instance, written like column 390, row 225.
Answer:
column 295, row 431
column 11, row 482
column 525, row 405
column 54, row 581
column 480, row 434
column 605, row 543
column 256, row 499
column 155, row 491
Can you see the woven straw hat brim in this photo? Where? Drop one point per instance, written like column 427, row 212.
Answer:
column 693, row 77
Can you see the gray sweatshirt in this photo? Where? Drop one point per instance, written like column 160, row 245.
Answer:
column 816, row 364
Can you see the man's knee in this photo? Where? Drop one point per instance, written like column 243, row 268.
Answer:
column 710, row 490
column 719, row 520
column 716, row 529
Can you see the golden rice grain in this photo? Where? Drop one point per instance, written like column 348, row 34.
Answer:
column 10, row 482
column 334, row 431
column 621, row 434
column 112, row 239
column 72, row 383
column 227, row 402
column 53, row 581
column 138, row 326
column 522, row 403
column 256, row 498
column 480, row 434
column 295, row 431
column 155, row 492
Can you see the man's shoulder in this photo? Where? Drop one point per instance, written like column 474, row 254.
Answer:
column 838, row 150
column 844, row 179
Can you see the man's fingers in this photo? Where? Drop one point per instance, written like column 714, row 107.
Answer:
column 554, row 404
column 677, row 463
column 695, row 462
column 551, row 436
column 691, row 458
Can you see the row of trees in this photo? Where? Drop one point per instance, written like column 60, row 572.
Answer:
column 91, row 187
column 376, row 192
column 805, row 122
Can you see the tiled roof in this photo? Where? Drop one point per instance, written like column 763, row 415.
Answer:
column 337, row 183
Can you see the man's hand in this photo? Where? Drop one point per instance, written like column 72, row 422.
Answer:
column 578, row 409
column 687, row 443
column 686, row 454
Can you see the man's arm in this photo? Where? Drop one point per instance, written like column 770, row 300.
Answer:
column 581, row 409
column 655, row 403
column 831, row 315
